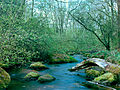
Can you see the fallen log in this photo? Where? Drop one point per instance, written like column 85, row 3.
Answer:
column 107, row 66
column 94, row 85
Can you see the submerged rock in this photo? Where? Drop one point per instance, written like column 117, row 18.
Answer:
column 4, row 78
column 46, row 78
column 38, row 66
column 32, row 76
column 61, row 58
column 106, row 78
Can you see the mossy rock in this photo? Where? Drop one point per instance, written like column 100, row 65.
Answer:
column 46, row 78
column 92, row 73
column 106, row 78
column 4, row 78
column 31, row 76
column 38, row 66
column 61, row 58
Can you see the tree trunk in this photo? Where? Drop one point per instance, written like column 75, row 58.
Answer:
column 32, row 10
column 118, row 3
column 23, row 7
column 108, row 43
column 107, row 47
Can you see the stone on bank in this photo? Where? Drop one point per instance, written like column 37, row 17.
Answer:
column 106, row 78
column 4, row 78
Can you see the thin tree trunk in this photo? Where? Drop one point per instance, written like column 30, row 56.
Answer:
column 118, row 2
column 23, row 7
column 32, row 10
column 106, row 45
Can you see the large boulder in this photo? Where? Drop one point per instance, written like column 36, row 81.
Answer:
column 106, row 78
column 61, row 58
column 38, row 66
column 46, row 78
column 4, row 78
column 32, row 76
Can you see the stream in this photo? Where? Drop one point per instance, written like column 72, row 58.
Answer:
column 65, row 80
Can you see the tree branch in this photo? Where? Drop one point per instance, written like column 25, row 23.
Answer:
column 82, row 24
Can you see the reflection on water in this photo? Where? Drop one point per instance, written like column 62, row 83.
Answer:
column 65, row 80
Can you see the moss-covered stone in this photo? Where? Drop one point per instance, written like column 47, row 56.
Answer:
column 32, row 76
column 105, row 78
column 61, row 58
column 46, row 78
column 4, row 78
column 92, row 73
column 38, row 66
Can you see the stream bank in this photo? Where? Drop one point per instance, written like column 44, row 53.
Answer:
column 64, row 78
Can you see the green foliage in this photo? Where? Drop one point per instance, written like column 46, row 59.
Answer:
column 49, row 31
column 114, row 57
column 61, row 58
column 99, row 54
column 22, row 41
column 111, row 56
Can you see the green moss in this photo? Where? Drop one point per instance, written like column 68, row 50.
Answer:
column 87, row 54
column 2, row 84
column 4, row 65
column 107, row 78
column 61, row 58
column 4, row 78
column 99, row 54
column 92, row 73
column 32, row 75
column 38, row 66
column 46, row 78
column 114, row 69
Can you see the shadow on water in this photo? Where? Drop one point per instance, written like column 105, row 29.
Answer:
column 65, row 80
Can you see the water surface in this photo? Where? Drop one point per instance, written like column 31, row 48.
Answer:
column 65, row 80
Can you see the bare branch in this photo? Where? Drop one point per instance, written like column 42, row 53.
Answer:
column 101, row 29
column 82, row 24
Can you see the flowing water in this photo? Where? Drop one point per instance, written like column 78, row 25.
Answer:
column 65, row 80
